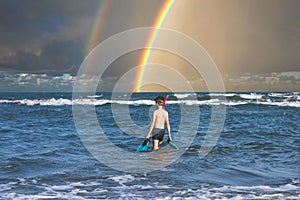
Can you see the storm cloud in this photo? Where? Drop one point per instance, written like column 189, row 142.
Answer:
column 32, row 37
column 39, row 36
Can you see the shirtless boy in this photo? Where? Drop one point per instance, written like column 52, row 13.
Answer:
column 157, row 126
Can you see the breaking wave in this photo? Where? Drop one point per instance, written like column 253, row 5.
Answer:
column 228, row 99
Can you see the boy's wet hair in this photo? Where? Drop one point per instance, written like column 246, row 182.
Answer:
column 159, row 100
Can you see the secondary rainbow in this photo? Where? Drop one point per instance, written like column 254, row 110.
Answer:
column 159, row 21
column 97, row 25
column 94, row 36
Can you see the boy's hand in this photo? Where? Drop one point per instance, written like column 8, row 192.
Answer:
column 145, row 142
column 169, row 139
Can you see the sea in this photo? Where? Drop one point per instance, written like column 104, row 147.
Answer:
column 44, row 155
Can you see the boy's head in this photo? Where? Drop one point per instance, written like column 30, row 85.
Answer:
column 159, row 100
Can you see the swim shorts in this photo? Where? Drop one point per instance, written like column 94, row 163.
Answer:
column 158, row 134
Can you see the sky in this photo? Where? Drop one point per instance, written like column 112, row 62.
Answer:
column 254, row 43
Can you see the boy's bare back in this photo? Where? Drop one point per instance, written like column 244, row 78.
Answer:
column 160, row 118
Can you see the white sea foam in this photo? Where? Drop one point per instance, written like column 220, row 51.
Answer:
column 80, row 191
column 5, row 101
column 122, row 179
column 60, row 102
column 276, row 94
column 185, row 95
column 242, row 192
column 65, row 191
column 235, row 103
column 222, row 94
column 251, row 96
column 203, row 102
column 4, row 187
column 284, row 103
column 95, row 96
column 76, row 184
column 61, row 187
column 247, row 99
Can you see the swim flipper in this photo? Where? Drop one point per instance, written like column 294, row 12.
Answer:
column 144, row 146
column 172, row 144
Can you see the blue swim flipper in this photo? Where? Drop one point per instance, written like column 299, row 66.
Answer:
column 170, row 142
column 144, row 146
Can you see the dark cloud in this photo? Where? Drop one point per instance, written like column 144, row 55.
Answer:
column 60, row 54
column 31, row 34
column 55, row 58
column 38, row 20
column 50, row 35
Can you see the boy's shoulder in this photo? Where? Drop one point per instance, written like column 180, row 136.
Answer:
column 164, row 111
column 161, row 111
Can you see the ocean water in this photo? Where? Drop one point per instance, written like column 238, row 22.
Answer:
column 257, row 155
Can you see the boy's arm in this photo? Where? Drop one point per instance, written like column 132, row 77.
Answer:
column 151, row 125
column 168, row 126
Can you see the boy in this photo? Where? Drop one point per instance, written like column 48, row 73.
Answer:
column 157, row 126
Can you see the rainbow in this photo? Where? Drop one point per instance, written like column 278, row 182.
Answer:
column 158, row 22
column 97, row 25
column 95, row 33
